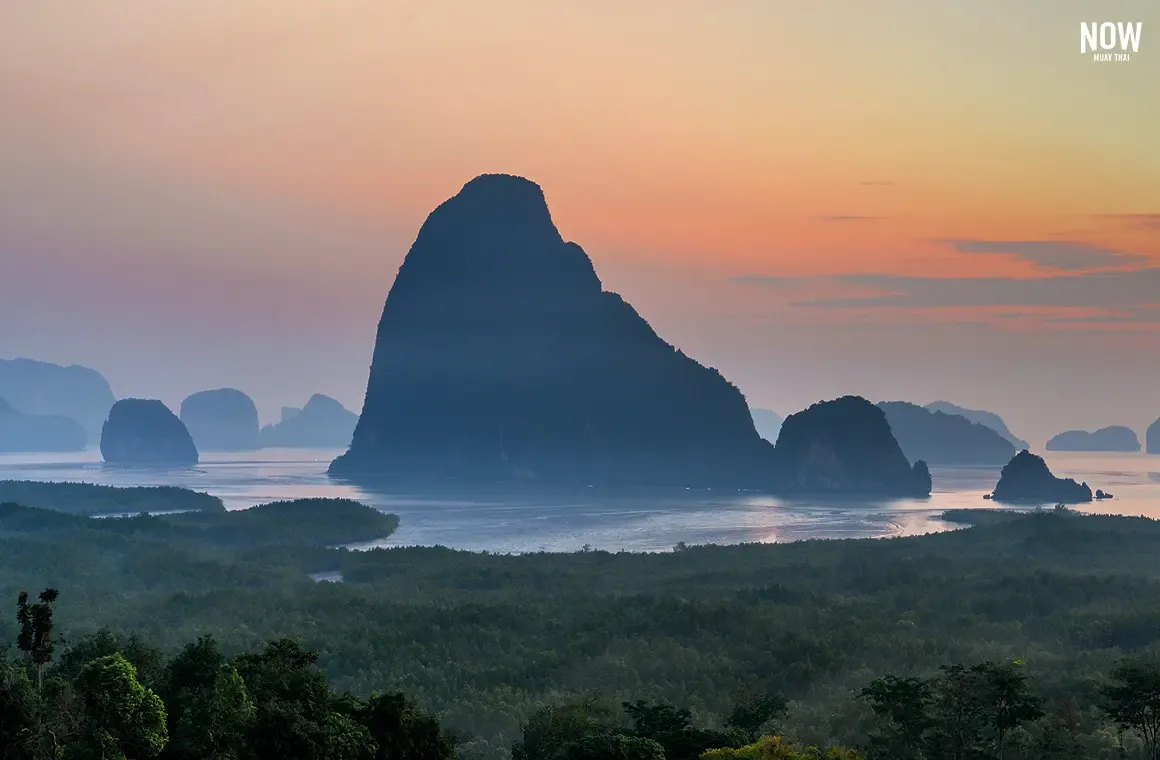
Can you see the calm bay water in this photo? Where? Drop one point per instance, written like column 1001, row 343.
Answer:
column 522, row 520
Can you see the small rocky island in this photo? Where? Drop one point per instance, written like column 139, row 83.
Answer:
column 221, row 420
column 1152, row 438
column 323, row 423
column 21, row 432
column 1026, row 479
column 1112, row 438
column 144, row 432
column 939, row 438
column 845, row 446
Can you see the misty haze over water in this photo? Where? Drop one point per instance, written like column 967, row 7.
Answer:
column 523, row 519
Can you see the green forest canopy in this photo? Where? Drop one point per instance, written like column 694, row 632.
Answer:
column 484, row 640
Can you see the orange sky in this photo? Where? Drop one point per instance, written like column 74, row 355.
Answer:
column 182, row 181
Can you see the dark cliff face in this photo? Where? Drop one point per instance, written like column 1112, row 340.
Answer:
column 145, row 432
column 1152, row 438
column 221, row 420
column 1112, row 438
column 845, row 446
column 41, row 388
column 21, row 432
column 323, row 423
column 499, row 355
column 1027, row 479
column 981, row 417
column 939, row 438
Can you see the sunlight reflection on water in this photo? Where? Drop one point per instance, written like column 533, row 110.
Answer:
column 522, row 520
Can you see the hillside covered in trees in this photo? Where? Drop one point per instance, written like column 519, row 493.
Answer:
column 869, row 642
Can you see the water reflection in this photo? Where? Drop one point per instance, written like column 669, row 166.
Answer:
column 525, row 518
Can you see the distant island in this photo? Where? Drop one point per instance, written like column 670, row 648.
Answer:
column 144, row 432
column 767, row 422
column 981, row 417
column 43, row 388
column 940, row 438
column 499, row 356
column 221, row 420
column 322, row 424
column 845, row 446
column 1152, row 437
column 1027, row 479
column 21, row 432
column 1112, row 438
column 87, row 499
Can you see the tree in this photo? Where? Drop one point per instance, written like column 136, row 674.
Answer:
column 1007, row 699
column 613, row 746
column 403, row 731
column 672, row 728
column 1059, row 735
column 19, row 705
column 35, row 638
column 754, row 710
column 123, row 720
column 553, row 727
column 148, row 660
column 902, row 706
column 778, row 748
column 1133, row 701
column 210, row 711
column 296, row 713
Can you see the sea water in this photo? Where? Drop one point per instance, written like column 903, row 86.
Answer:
column 526, row 519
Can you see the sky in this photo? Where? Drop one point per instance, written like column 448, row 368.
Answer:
column 904, row 199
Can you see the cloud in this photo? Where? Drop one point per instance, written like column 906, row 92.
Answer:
column 1110, row 290
column 1146, row 221
column 1143, row 315
column 878, row 183
column 772, row 281
column 847, row 218
column 1065, row 255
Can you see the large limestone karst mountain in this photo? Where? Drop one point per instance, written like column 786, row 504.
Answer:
column 500, row 355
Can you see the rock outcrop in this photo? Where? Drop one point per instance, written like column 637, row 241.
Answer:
column 144, row 432
column 499, row 355
column 322, row 424
column 221, row 420
column 41, row 388
column 767, row 422
column 1112, row 438
column 845, row 446
column 290, row 412
column 980, row 417
column 21, row 432
column 1026, row 479
column 940, row 438
column 1152, row 438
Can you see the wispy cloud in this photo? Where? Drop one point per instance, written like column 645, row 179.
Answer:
column 878, row 183
column 1146, row 221
column 847, row 218
column 1065, row 255
column 1141, row 315
column 1111, row 290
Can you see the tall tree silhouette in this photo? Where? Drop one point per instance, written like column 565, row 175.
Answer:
column 35, row 638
